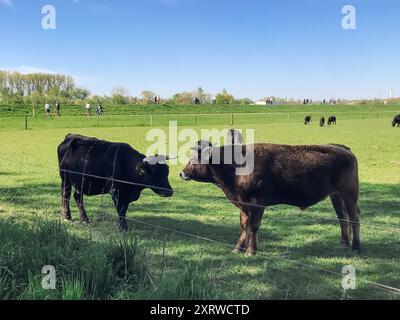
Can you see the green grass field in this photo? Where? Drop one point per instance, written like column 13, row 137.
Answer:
column 96, row 261
column 156, row 116
column 21, row 110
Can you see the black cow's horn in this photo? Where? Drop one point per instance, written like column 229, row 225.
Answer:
column 160, row 159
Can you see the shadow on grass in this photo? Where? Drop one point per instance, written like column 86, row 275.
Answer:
column 377, row 201
column 6, row 173
column 314, row 242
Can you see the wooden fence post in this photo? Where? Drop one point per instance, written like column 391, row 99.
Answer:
column 232, row 120
column 26, row 122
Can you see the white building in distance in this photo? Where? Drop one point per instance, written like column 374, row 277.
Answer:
column 264, row 102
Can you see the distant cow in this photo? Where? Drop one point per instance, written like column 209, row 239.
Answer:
column 300, row 176
column 307, row 120
column 332, row 120
column 95, row 167
column 322, row 122
column 396, row 121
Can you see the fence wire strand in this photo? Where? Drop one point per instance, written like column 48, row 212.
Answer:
column 376, row 285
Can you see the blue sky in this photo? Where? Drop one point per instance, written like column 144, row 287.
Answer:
column 253, row 48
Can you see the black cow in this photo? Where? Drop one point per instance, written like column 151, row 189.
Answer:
column 300, row 176
column 332, row 120
column 307, row 120
column 95, row 167
column 396, row 121
column 322, row 122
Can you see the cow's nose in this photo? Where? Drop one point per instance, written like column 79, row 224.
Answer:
column 184, row 176
column 167, row 194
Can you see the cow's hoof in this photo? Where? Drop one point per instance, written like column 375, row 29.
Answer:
column 250, row 253
column 66, row 219
column 85, row 221
column 237, row 250
column 123, row 228
column 344, row 244
column 356, row 247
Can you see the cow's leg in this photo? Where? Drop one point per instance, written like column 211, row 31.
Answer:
column 341, row 213
column 81, row 207
column 122, row 207
column 65, row 199
column 255, row 218
column 242, row 242
column 353, row 212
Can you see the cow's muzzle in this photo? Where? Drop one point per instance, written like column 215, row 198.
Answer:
column 184, row 176
column 165, row 193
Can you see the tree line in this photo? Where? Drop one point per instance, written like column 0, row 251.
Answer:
column 37, row 88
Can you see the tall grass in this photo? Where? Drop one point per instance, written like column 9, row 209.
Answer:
column 86, row 269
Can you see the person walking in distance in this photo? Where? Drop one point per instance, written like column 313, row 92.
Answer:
column 87, row 110
column 57, row 109
column 99, row 110
column 47, row 111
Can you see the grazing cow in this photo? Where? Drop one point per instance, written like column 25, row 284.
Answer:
column 307, row 120
column 300, row 176
column 95, row 167
column 332, row 120
column 396, row 121
column 322, row 122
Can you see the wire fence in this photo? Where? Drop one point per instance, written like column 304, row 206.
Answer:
column 193, row 120
column 374, row 284
column 28, row 123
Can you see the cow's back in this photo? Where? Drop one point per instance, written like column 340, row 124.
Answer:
column 292, row 174
column 303, row 159
column 93, row 164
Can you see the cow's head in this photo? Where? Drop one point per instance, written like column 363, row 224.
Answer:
column 154, row 172
column 198, row 168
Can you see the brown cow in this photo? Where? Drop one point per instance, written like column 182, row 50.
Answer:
column 300, row 176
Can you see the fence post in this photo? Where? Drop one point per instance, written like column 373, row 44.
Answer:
column 26, row 122
column 232, row 120
column 98, row 120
